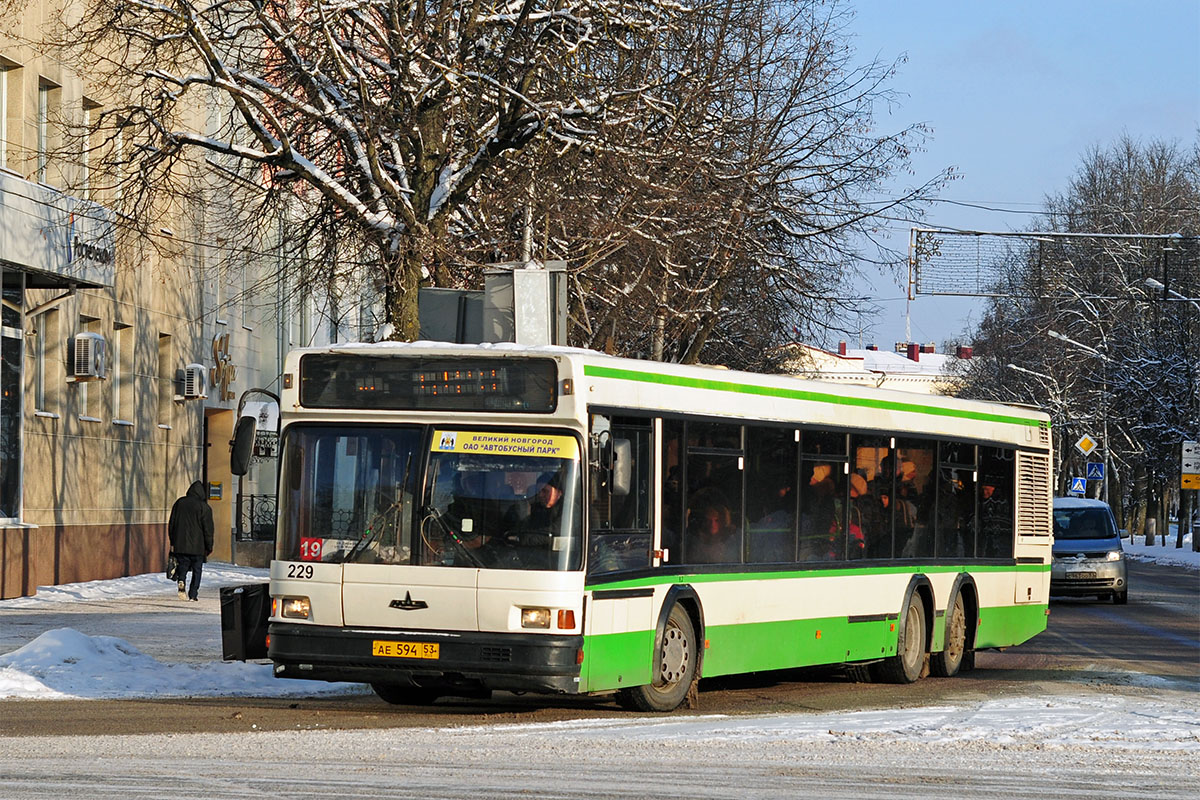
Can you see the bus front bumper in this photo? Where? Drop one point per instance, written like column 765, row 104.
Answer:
column 466, row 660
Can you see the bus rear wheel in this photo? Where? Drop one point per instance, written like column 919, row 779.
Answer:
column 675, row 668
column 947, row 663
column 909, row 662
column 404, row 695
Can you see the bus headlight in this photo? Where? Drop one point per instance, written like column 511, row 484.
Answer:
column 294, row 607
column 535, row 618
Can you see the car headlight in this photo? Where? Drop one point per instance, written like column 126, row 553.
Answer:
column 294, row 607
column 1114, row 555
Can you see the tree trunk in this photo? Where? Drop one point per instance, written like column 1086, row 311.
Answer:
column 1164, row 514
column 403, row 270
column 1139, row 503
column 1185, row 517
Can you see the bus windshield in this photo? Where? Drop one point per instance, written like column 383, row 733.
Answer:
column 505, row 500
column 489, row 499
column 346, row 493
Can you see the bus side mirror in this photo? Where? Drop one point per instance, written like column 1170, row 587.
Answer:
column 242, row 448
column 622, row 467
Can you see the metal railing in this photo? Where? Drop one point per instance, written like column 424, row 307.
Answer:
column 255, row 518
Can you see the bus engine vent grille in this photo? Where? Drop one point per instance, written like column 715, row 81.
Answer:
column 1034, row 496
column 495, row 655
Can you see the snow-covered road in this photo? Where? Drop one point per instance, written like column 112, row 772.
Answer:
column 1136, row 738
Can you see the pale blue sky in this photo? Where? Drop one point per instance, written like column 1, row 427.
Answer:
column 1015, row 93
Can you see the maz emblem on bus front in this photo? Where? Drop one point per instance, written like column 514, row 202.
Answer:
column 408, row 604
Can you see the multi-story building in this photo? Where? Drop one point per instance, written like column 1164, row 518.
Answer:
column 122, row 356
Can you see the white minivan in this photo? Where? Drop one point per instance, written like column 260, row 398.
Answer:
column 1088, row 557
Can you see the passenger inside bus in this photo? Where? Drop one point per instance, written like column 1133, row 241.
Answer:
column 820, row 518
column 545, row 509
column 866, row 519
column 712, row 536
column 771, row 535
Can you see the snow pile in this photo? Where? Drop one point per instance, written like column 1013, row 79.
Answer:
column 1164, row 553
column 64, row 663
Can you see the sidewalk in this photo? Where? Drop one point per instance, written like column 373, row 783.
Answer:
column 143, row 610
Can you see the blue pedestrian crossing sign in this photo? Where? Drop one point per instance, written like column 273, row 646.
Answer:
column 1095, row 471
column 1078, row 486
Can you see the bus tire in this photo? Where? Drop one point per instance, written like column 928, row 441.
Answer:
column 948, row 662
column 909, row 662
column 398, row 695
column 675, row 668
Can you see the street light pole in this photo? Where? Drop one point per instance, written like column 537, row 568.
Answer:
column 1103, row 394
column 1158, row 286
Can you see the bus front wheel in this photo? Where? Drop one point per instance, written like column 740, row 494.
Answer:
column 909, row 662
column 675, row 668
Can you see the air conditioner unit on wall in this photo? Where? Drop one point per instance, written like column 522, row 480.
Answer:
column 89, row 357
column 195, row 381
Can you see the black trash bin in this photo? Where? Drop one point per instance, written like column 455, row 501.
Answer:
column 245, row 610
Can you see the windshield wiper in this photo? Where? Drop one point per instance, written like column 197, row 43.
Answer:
column 431, row 513
column 371, row 532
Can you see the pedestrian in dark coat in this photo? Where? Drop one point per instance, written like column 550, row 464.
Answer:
column 190, row 530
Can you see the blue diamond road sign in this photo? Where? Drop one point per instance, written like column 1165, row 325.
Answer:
column 1095, row 471
column 1078, row 486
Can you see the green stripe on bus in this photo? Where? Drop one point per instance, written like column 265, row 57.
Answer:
column 815, row 572
column 617, row 660
column 1003, row 626
column 799, row 394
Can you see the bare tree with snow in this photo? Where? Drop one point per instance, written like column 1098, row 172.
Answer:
column 1094, row 334
column 373, row 119
column 735, row 215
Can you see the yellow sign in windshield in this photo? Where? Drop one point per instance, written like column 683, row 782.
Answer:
column 540, row 445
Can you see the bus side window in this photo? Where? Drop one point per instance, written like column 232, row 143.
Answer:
column 714, row 513
column 914, row 498
column 823, row 496
column 997, row 467
column 771, row 455
column 956, row 501
column 621, row 535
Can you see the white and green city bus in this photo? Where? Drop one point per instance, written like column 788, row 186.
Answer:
column 459, row 519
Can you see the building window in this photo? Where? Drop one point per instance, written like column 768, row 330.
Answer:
column 48, row 365
column 246, row 287
column 298, row 322
column 88, row 399
column 166, row 380
column 86, row 139
column 47, row 108
column 4, row 69
column 122, row 373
